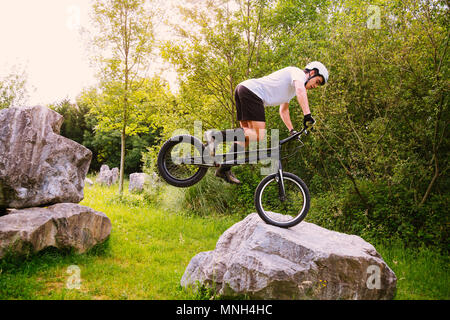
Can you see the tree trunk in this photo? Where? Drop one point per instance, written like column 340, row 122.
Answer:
column 125, row 104
column 122, row 160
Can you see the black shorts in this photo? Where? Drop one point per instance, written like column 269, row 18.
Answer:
column 248, row 105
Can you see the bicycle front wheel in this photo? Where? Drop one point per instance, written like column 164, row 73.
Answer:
column 281, row 211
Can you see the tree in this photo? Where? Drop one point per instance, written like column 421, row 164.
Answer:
column 74, row 125
column 102, row 136
column 13, row 89
column 217, row 49
column 125, row 41
column 378, row 161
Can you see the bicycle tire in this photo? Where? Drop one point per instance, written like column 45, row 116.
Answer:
column 195, row 172
column 264, row 196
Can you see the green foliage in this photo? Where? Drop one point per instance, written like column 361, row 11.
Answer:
column 124, row 43
column 107, row 147
column 75, row 123
column 13, row 89
column 210, row 196
column 422, row 273
column 80, row 125
column 148, row 251
column 378, row 161
column 217, row 48
column 391, row 215
column 103, row 138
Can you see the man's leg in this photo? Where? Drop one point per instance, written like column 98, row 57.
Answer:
column 253, row 131
column 238, row 142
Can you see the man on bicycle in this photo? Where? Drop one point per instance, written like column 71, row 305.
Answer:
column 278, row 88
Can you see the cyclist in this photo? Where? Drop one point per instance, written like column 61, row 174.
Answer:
column 251, row 96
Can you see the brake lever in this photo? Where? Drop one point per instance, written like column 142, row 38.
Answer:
column 311, row 129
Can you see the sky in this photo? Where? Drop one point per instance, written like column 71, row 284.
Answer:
column 42, row 37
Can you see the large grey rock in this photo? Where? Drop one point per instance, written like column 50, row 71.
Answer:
column 37, row 165
column 262, row 261
column 64, row 225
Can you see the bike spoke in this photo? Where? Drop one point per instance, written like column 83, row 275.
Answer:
column 180, row 162
column 278, row 210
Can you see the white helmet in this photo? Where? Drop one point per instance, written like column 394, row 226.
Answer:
column 321, row 70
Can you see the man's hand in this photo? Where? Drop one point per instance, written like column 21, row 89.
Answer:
column 292, row 132
column 308, row 120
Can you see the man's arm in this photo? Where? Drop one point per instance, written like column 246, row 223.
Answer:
column 285, row 116
column 302, row 97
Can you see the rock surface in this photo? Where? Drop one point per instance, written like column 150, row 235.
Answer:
column 303, row 262
column 88, row 181
column 106, row 176
column 37, row 165
column 64, row 225
column 137, row 181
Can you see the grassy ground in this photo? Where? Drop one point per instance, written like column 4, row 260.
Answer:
column 149, row 249
column 144, row 258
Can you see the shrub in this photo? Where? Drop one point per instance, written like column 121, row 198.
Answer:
column 391, row 214
column 213, row 195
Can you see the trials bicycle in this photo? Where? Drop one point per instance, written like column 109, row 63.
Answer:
column 281, row 198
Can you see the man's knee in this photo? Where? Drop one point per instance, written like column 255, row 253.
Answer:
column 260, row 133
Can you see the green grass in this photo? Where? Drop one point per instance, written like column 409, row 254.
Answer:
column 422, row 274
column 150, row 247
column 144, row 258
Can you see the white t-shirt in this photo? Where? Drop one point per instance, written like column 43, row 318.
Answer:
column 277, row 87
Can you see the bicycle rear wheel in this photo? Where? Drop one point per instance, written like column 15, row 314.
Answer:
column 179, row 159
column 285, row 212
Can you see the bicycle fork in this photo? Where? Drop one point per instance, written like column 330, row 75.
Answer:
column 280, row 180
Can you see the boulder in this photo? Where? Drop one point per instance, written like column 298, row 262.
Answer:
column 115, row 175
column 306, row 261
column 137, row 181
column 37, row 165
column 106, row 176
column 64, row 225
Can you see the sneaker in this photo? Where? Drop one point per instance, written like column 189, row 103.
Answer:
column 226, row 174
column 210, row 142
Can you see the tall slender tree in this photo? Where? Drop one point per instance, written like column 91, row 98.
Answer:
column 124, row 44
column 215, row 50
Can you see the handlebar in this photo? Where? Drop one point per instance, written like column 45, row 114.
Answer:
column 311, row 128
column 298, row 134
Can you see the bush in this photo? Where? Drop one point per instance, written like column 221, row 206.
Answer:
column 213, row 195
column 391, row 214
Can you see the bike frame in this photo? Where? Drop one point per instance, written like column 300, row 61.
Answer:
column 261, row 154
column 250, row 155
